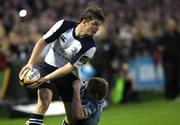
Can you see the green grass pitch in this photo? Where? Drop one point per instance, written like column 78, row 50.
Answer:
column 152, row 112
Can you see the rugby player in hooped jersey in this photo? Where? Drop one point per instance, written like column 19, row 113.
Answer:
column 72, row 46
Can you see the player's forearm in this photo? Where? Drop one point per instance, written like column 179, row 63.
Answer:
column 77, row 108
column 60, row 72
column 37, row 51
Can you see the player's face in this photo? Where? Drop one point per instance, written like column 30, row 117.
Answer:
column 93, row 97
column 92, row 26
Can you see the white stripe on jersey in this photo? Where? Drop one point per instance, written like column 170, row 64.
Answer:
column 53, row 29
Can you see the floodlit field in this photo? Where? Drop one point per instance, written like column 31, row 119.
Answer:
column 148, row 112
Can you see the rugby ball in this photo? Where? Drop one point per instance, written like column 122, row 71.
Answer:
column 29, row 77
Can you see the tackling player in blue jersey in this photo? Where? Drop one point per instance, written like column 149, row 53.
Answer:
column 88, row 101
column 72, row 46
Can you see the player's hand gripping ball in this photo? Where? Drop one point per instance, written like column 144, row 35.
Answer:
column 29, row 77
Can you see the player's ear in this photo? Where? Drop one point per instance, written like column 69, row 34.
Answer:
column 98, row 97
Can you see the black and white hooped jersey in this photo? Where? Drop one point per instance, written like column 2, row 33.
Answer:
column 67, row 47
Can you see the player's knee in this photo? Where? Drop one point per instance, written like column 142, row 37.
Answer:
column 44, row 98
column 44, row 104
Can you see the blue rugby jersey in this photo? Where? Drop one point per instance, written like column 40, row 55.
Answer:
column 89, row 107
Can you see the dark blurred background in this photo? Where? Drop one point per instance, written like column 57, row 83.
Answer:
column 137, row 47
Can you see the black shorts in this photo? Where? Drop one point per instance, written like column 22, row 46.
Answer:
column 62, row 86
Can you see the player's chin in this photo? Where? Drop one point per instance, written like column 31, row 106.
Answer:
column 93, row 33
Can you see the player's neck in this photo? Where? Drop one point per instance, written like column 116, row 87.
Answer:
column 79, row 31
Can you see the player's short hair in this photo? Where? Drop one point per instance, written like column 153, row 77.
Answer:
column 98, row 86
column 93, row 13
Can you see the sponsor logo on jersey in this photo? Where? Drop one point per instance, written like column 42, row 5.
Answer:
column 63, row 38
column 84, row 59
column 74, row 51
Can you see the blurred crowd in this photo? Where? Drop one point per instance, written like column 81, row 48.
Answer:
column 132, row 29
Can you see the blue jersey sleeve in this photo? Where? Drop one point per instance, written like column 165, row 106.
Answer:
column 92, row 107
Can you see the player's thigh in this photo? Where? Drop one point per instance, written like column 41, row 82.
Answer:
column 45, row 91
column 44, row 95
column 64, row 87
column 68, row 109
